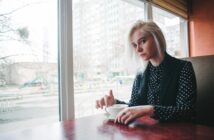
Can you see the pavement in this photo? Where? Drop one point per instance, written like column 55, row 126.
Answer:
column 37, row 108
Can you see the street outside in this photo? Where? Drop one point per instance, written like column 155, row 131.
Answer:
column 37, row 106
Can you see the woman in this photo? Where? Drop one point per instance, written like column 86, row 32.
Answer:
column 166, row 90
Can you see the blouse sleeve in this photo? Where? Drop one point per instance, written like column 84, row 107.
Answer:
column 135, row 96
column 185, row 100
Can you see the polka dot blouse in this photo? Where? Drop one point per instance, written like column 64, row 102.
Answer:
column 185, row 99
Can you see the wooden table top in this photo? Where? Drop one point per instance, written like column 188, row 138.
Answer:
column 100, row 128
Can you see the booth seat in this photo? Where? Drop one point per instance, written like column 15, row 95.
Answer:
column 204, row 71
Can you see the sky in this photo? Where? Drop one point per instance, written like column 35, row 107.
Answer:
column 40, row 17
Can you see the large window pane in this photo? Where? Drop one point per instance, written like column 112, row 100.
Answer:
column 28, row 63
column 99, row 37
column 175, row 31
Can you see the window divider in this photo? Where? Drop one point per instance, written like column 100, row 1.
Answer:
column 66, row 85
column 148, row 11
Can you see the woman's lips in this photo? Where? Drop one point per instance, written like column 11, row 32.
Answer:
column 142, row 54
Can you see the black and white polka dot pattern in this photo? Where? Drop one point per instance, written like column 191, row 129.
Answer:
column 184, row 99
column 155, row 76
column 184, row 106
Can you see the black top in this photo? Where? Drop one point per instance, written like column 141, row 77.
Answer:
column 169, row 87
column 155, row 76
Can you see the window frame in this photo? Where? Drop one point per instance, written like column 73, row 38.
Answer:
column 65, row 41
column 66, row 84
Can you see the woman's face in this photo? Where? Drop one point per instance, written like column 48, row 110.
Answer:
column 144, row 44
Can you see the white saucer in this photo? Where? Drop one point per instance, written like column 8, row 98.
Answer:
column 109, row 117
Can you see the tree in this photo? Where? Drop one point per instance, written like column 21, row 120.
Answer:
column 8, row 31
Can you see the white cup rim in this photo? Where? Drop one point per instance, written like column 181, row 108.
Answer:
column 118, row 106
column 114, row 109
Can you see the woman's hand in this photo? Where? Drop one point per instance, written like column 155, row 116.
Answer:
column 107, row 100
column 131, row 113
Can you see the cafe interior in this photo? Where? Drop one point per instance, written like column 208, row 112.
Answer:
column 196, row 45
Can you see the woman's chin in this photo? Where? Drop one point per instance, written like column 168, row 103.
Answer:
column 144, row 58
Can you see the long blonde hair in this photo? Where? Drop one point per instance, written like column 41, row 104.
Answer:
column 151, row 28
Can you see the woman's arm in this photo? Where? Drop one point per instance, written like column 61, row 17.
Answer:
column 185, row 100
column 136, row 97
column 185, row 103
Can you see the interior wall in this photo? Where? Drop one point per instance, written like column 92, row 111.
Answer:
column 201, row 27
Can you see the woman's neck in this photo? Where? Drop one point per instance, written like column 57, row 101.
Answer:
column 157, row 60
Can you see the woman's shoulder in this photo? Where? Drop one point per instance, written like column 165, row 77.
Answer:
column 139, row 75
column 178, row 61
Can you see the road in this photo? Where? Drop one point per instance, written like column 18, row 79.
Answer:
column 34, row 109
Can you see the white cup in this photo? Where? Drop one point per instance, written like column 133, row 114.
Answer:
column 114, row 110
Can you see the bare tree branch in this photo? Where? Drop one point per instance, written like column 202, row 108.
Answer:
column 4, row 14
column 8, row 38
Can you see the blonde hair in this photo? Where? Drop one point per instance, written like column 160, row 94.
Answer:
column 151, row 28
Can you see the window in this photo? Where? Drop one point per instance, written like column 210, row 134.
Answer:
column 175, row 31
column 97, row 30
column 28, row 63
column 99, row 38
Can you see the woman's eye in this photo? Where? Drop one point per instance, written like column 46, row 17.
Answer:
column 143, row 41
column 134, row 45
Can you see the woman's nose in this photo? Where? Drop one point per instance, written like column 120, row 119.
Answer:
column 139, row 48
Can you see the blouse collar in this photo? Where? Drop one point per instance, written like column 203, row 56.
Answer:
column 161, row 65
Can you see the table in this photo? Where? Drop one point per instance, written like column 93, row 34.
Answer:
column 98, row 127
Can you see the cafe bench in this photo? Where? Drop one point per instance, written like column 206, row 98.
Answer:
column 204, row 71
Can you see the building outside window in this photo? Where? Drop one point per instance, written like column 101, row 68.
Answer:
column 28, row 63
column 175, row 31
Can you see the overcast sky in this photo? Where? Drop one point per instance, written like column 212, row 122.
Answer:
column 40, row 17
